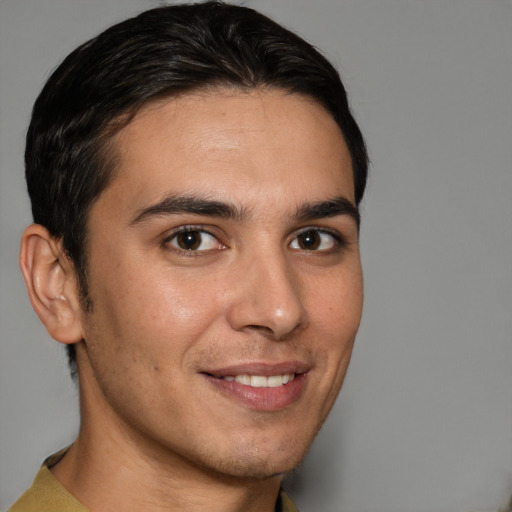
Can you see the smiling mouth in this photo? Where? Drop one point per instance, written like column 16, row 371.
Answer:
column 261, row 387
column 259, row 381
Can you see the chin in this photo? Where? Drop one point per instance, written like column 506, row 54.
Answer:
column 268, row 454
column 256, row 463
column 253, row 471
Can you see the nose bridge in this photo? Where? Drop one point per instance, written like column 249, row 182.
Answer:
column 269, row 295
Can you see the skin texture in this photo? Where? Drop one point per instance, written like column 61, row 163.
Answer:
column 156, row 426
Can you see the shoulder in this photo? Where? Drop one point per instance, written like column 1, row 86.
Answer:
column 285, row 503
column 47, row 494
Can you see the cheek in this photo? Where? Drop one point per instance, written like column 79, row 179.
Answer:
column 337, row 314
column 152, row 312
column 338, row 306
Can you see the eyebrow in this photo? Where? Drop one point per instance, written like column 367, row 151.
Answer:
column 195, row 205
column 330, row 208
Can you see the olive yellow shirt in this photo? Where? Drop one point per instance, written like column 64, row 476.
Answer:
column 47, row 494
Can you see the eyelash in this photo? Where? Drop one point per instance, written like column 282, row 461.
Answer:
column 340, row 241
column 188, row 229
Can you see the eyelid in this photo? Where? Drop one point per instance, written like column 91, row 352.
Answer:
column 172, row 233
column 321, row 229
column 340, row 239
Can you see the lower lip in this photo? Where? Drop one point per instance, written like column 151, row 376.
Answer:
column 261, row 399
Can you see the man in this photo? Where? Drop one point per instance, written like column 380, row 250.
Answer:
column 194, row 174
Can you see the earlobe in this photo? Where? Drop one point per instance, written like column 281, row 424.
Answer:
column 51, row 284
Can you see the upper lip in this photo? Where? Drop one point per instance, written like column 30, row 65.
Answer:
column 260, row 368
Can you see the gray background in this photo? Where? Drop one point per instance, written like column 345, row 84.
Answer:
column 424, row 422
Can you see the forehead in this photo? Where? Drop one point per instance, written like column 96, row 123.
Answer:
column 245, row 145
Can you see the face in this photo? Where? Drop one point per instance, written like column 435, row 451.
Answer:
column 225, row 279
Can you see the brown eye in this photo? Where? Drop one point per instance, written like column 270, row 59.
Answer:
column 189, row 241
column 309, row 241
column 315, row 240
column 194, row 240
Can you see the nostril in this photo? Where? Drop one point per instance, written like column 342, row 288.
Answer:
column 260, row 328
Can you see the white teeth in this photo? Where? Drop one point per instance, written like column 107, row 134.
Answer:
column 275, row 381
column 243, row 379
column 260, row 381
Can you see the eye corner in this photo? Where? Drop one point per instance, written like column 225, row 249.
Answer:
column 192, row 241
column 320, row 240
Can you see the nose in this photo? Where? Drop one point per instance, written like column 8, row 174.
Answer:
column 267, row 298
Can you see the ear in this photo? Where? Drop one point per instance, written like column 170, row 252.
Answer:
column 51, row 283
